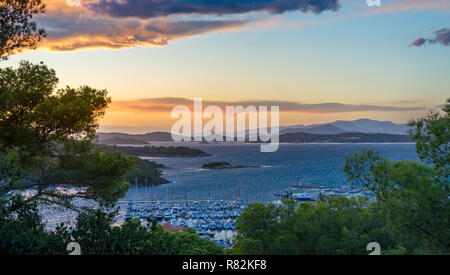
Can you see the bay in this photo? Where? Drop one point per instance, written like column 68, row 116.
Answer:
column 319, row 164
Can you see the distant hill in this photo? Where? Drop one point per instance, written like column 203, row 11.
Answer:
column 148, row 137
column 156, row 136
column 153, row 151
column 291, row 137
column 342, row 138
column 372, row 126
column 367, row 126
column 362, row 126
column 326, row 129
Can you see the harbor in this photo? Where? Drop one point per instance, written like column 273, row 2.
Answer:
column 214, row 219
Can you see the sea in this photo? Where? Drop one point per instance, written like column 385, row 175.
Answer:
column 319, row 164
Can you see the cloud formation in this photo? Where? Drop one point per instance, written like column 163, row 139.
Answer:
column 418, row 5
column 166, row 104
column 72, row 24
column 66, row 34
column 156, row 8
column 442, row 37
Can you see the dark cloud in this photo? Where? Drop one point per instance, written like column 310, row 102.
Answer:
column 156, row 8
column 419, row 42
column 167, row 104
column 70, row 33
column 442, row 36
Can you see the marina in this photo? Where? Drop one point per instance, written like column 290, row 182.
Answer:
column 214, row 219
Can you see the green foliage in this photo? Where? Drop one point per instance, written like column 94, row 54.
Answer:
column 258, row 225
column 22, row 231
column 46, row 142
column 416, row 206
column 46, row 139
column 432, row 136
column 17, row 30
column 96, row 236
column 146, row 173
column 338, row 226
column 35, row 116
column 10, row 166
column 413, row 196
column 100, row 175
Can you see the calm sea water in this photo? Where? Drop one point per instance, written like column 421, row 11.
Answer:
column 313, row 163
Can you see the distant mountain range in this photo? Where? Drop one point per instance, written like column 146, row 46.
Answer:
column 366, row 126
column 361, row 130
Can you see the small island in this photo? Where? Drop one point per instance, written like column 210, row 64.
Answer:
column 156, row 151
column 225, row 165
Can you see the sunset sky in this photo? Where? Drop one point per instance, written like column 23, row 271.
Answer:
column 319, row 60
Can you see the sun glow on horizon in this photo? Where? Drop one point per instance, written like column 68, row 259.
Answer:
column 322, row 65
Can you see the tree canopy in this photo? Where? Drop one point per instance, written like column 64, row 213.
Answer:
column 17, row 30
column 337, row 226
column 22, row 233
column 432, row 136
column 46, row 139
column 415, row 195
column 47, row 156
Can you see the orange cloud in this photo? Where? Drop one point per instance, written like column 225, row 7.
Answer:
column 166, row 104
column 75, row 32
column 80, row 24
column 71, row 27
